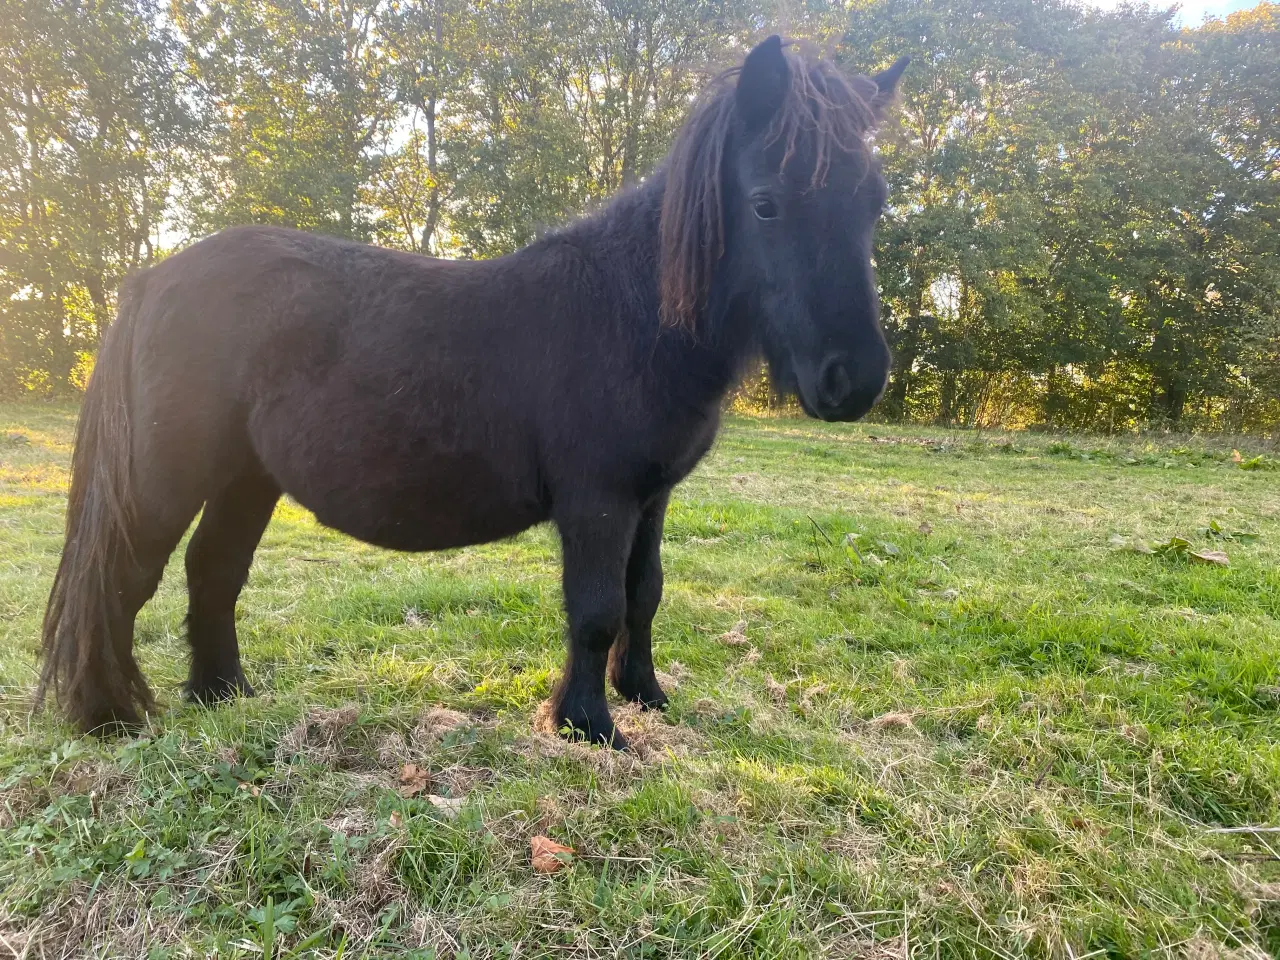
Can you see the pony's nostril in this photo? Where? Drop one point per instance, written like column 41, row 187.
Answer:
column 834, row 384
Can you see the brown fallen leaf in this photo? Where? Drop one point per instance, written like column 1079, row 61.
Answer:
column 413, row 780
column 449, row 806
column 737, row 635
column 1210, row 556
column 549, row 856
column 395, row 820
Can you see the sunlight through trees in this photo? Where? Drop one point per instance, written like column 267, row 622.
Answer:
column 1083, row 225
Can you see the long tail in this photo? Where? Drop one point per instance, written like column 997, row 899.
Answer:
column 88, row 656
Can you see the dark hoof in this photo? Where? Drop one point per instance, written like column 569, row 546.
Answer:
column 646, row 692
column 210, row 690
column 599, row 730
column 111, row 722
column 654, row 698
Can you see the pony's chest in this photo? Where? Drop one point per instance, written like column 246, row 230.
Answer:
column 680, row 454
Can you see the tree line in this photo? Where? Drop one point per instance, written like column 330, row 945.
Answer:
column 1083, row 229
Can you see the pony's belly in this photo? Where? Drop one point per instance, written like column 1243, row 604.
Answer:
column 415, row 503
column 435, row 532
column 427, row 519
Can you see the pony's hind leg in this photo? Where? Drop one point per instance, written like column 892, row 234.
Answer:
column 218, row 560
column 596, row 545
column 631, row 658
column 118, row 688
column 119, row 539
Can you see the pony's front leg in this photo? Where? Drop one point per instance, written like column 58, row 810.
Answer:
column 596, row 546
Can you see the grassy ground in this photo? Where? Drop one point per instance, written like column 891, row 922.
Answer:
column 981, row 726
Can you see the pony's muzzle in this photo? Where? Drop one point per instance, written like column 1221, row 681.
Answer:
column 847, row 387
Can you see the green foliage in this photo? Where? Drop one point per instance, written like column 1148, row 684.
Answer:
column 1083, row 230
column 1077, row 207
column 294, row 98
column 91, row 120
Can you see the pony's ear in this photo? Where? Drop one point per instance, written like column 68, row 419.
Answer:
column 762, row 84
column 887, row 85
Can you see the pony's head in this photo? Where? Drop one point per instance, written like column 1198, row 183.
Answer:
column 771, row 200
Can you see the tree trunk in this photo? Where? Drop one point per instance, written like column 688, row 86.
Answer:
column 433, row 169
column 907, row 350
column 1173, row 399
column 1055, row 404
column 894, row 405
column 947, row 398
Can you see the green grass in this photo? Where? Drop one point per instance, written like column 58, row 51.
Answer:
column 980, row 729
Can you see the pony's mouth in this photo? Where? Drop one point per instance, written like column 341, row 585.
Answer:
column 805, row 405
column 837, row 388
column 782, row 372
column 840, row 389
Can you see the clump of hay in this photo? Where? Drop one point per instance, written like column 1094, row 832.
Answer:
column 861, row 944
column 436, row 723
column 433, row 725
column 894, row 720
column 392, row 749
column 1204, row 947
column 777, row 691
column 116, row 921
column 374, row 888
column 459, row 779
column 93, row 778
column 651, row 738
column 320, row 736
column 350, row 823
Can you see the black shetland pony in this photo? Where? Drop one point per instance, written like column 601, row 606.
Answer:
column 420, row 404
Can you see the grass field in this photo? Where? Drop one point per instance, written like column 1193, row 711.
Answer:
column 927, row 701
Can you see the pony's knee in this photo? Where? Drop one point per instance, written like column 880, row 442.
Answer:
column 600, row 622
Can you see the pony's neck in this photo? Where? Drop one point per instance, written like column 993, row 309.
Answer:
column 622, row 243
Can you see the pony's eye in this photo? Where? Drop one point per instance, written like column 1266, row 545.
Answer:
column 765, row 208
